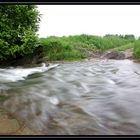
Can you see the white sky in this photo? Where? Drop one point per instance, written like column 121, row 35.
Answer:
column 60, row 20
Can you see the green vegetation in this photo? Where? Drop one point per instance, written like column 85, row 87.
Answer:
column 66, row 48
column 18, row 39
column 81, row 46
column 124, row 47
column 18, row 25
column 137, row 49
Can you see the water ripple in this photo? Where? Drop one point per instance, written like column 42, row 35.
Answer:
column 84, row 98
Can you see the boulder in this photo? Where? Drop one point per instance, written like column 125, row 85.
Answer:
column 113, row 55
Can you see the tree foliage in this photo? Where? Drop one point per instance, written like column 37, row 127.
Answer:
column 18, row 27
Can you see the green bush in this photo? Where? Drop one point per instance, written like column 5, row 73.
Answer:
column 58, row 50
column 137, row 49
column 18, row 25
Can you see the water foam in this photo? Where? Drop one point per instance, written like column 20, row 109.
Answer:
column 16, row 74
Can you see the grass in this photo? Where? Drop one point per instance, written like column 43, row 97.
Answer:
column 137, row 49
column 81, row 46
column 124, row 47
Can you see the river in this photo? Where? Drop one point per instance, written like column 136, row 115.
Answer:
column 100, row 97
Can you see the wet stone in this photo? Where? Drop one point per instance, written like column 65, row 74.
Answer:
column 26, row 131
column 10, row 126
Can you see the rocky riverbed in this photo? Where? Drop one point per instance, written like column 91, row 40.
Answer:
column 9, row 125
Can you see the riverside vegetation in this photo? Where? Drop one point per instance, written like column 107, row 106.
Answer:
column 19, row 43
column 84, row 46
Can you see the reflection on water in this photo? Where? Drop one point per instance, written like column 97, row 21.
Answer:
column 81, row 98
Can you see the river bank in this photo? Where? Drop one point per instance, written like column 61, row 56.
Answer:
column 38, row 59
column 110, row 54
column 76, row 48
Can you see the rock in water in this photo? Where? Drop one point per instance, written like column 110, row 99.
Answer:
column 10, row 126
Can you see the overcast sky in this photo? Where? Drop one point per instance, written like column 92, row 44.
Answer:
column 64, row 20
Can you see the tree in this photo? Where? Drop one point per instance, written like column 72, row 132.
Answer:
column 18, row 27
column 130, row 37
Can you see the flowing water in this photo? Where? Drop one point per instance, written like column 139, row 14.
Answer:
column 100, row 97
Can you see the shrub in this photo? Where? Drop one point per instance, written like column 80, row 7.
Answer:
column 18, row 25
column 137, row 49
